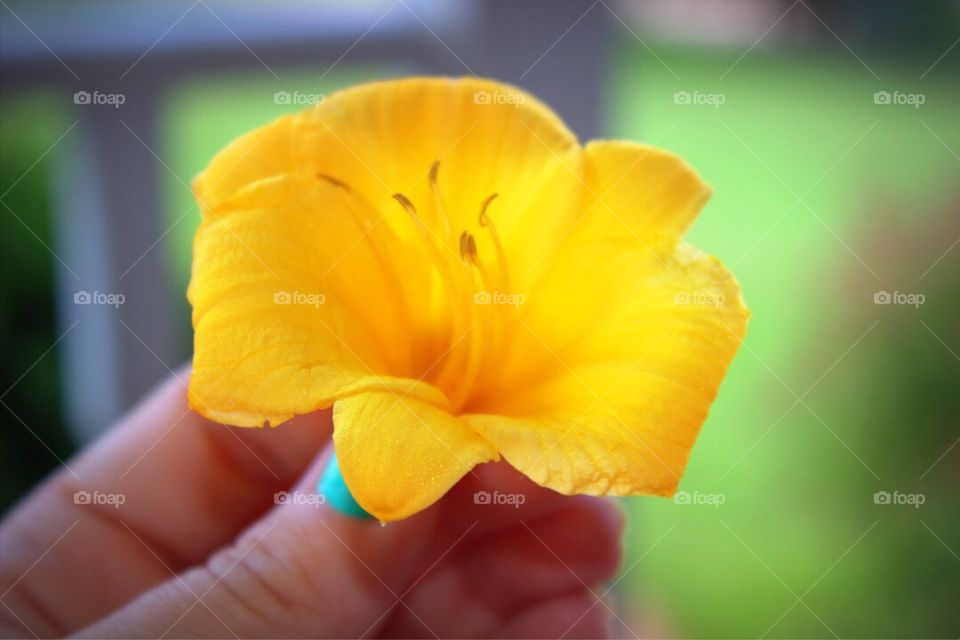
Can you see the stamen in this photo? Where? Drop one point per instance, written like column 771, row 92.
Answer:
column 470, row 257
column 406, row 204
column 438, row 200
column 487, row 222
column 365, row 216
column 459, row 372
column 334, row 181
column 427, row 237
column 422, row 231
column 468, row 248
column 364, row 213
column 483, row 209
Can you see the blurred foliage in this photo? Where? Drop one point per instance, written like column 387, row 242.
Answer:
column 30, row 380
column 820, row 409
column 913, row 408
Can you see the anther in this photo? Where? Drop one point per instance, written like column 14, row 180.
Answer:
column 406, row 204
column 468, row 248
column 483, row 219
column 334, row 181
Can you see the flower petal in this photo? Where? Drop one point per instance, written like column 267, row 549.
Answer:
column 399, row 455
column 382, row 138
column 641, row 192
column 621, row 360
column 290, row 308
column 266, row 152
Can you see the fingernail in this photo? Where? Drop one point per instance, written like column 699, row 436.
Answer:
column 332, row 487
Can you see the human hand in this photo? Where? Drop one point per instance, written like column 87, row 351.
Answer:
column 198, row 547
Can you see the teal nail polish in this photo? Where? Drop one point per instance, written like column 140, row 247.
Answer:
column 332, row 487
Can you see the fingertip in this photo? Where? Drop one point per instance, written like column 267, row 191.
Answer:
column 612, row 519
column 335, row 492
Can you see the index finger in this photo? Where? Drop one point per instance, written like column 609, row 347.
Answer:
column 157, row 493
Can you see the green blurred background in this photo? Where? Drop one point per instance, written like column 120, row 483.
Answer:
column 822, row 199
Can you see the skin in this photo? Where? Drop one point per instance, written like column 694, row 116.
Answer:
column 199, row 549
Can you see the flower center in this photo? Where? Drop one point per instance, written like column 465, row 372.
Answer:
column 469, row 325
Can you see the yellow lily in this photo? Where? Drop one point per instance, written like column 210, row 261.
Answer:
column 443, row 263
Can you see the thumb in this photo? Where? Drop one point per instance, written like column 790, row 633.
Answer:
column 304, row 569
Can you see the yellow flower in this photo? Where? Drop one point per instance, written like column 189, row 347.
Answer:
column 443, row 262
